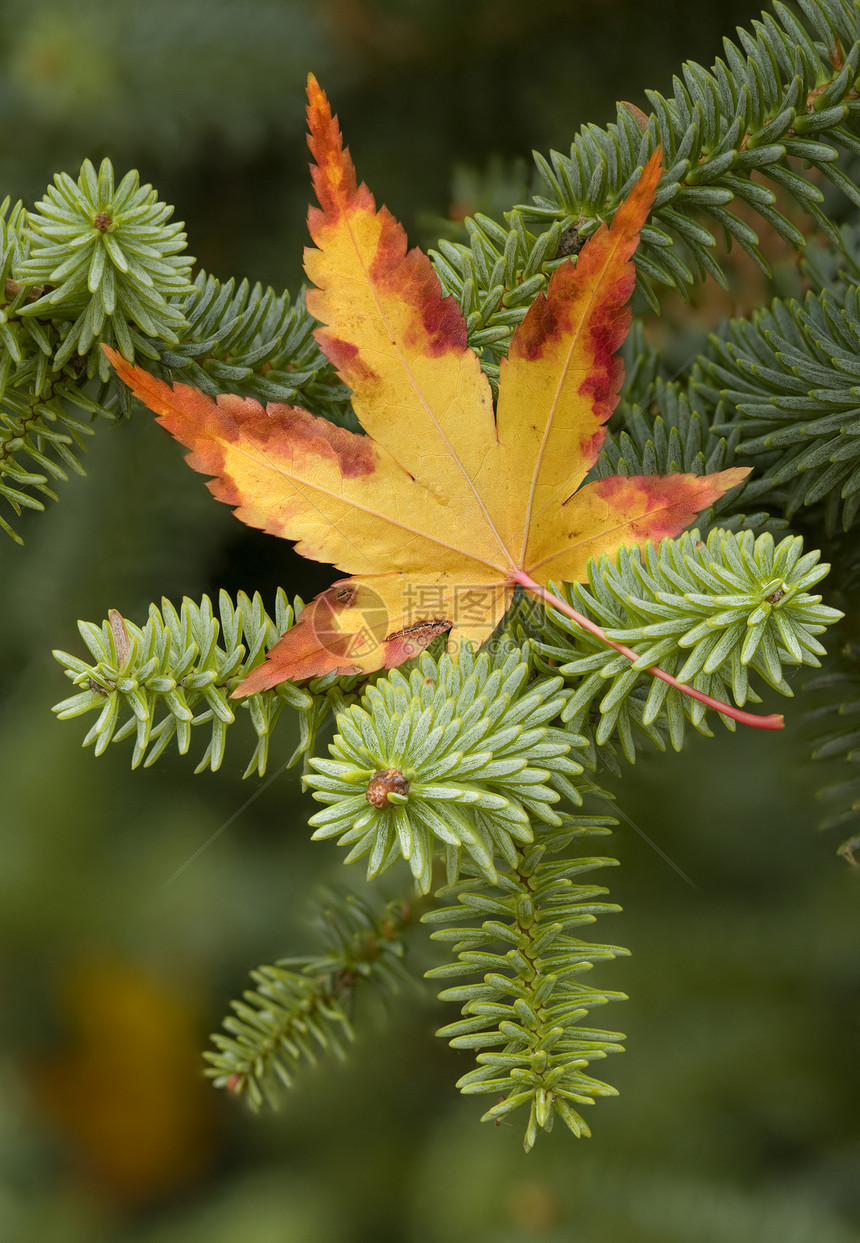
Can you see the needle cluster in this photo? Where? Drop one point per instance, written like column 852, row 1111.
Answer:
column 710, row 612
column 477, row 756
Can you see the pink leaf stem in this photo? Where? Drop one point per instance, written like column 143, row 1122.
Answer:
column 775, row 721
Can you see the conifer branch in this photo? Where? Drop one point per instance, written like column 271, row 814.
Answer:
column 783, row 385
column 452, row 760
column 177, row 672
column 300, row 1008
column 787, row 93
column 710, row 612
column 468, row 761
column 109, row 264
column 251, row 340
column 40, row 436
column 585, row 623
column 524, row 1011
column 101, row 263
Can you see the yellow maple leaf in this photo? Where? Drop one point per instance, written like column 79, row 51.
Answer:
column 444, row 507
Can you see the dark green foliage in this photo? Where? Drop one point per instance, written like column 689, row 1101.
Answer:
column 299, row 1009
column 782, row 384
column 253, row 341
column 780, row 96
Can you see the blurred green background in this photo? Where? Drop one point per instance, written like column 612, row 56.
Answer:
column 738, row 1114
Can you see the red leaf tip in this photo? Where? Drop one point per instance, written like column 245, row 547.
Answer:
column 317, row 100
column 124, row 369
column 651, row 174
column 332, row 172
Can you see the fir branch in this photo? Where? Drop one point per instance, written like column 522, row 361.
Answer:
column 710, row 613
column 39, row 436
column 300, row 1007
column 585, row 623
column 525, row 1009
column 453, row 759
column 251, row 340
column 787, row 93
column 159, row 682
column 676, row 435
column 39, row 440
column 103, row 264
column 783, row 385
column 109, row 263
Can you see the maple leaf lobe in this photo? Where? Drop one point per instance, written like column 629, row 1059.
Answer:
column 289, row 428
column 303, row 431
column 313, row 647
column 218, row 431
column 668, row 503
column 563, row 357
column 601, row 388
column 408, row 276
column 429, row 324
column 333, row 172
column 323, row 640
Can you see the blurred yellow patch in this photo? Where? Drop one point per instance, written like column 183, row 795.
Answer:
column 127, row 1094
